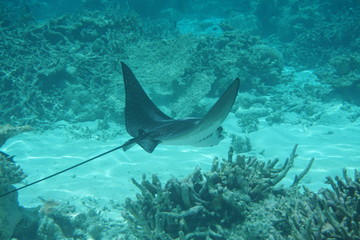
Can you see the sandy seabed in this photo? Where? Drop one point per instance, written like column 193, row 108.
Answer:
column 334, row 147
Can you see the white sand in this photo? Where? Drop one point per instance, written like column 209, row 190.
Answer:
column 40, row 154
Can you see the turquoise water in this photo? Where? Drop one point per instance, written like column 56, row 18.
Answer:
column 60, row 74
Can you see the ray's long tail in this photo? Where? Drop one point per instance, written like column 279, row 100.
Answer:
column 67, row 169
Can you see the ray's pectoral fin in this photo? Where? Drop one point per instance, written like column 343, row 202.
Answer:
column 220, row 110
column 140, row 111
column 208, row 132
column 141, row 114
column 217, row 114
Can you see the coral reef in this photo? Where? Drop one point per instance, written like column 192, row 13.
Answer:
column 342, row 71
column 53, row 219
column 204, row 205
column 188, row 101
column 341, row 207
column 66, row 68
column 226, row 57
column 298, row 99
column 266, row 63
column 241, row 144
column 11, row 173
column 176, row 68
column 63, row 53
column 51, row 67
column 61, row 220
column 330, row 214
column 240, row 199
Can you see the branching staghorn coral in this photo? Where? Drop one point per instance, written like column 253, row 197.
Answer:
column 341, row 206
column 204, row 205
column 333, row 213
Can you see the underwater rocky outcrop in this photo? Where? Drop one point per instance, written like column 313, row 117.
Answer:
column 10, row 212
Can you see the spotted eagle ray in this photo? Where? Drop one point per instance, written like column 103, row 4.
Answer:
column 149, row 126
